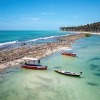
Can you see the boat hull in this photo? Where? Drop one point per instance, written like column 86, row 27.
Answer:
column 34, row 67
column 67, row 73
column 69, row 54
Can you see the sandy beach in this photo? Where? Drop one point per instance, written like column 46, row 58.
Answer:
column 14, row 57
column 83, row 32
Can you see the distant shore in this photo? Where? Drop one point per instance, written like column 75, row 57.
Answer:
column 14, row 57
column 84, row 32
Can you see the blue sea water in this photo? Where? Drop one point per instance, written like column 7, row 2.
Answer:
column 9, row 36
column 13, row 37
column 23, row 84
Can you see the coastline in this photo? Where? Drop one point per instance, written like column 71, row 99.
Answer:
column 14, row 57
column 84, row 32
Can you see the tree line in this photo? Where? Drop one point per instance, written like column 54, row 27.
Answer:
column 93, row 27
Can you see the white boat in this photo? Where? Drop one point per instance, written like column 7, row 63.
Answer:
column 33, row 63
column 67, row 72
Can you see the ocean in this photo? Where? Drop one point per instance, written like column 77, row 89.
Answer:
column 13, row 38
column 23, row 84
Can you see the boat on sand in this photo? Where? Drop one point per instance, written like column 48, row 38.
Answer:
column 33, row 63
column 67, row 72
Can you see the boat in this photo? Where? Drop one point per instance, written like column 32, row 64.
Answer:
column 67, row 72
column 35, row 67
column 33, row 63
column 68, row 54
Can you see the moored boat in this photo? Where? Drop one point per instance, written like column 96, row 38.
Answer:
column 33, row 65
column 68, row 54
column 67, row 72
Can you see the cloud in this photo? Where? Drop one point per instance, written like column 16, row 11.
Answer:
column 31, row 18
column 44, row 13
column 35, row 19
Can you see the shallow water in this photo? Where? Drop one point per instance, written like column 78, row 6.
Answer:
column 23, row 84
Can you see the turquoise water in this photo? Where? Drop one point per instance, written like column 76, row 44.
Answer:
column 11, row 39
column 11, row 36
column 23, row 84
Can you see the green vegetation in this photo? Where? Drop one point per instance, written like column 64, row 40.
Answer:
column 93, row 27
column 87, row 35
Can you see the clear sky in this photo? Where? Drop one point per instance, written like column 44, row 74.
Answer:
column 47, row 14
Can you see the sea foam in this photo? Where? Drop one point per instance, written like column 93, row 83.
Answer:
column 8, row 43
column 32, row 40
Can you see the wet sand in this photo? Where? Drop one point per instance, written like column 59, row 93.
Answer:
column 14, row 56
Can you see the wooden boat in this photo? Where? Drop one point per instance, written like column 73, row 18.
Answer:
column 67, row 72
column 33, row 65
column 69, row 54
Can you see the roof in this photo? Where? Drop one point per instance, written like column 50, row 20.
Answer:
column 27, row 58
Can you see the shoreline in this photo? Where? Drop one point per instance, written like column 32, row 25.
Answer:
column 83, row 32
column 14, row 57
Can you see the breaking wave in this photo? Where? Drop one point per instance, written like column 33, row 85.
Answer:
column 32, row 40
column 14, row 43
column 8, row 43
